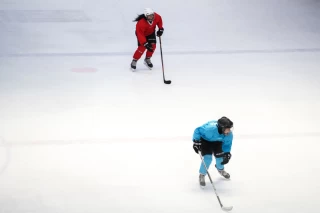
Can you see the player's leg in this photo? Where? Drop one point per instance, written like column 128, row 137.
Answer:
column 206, row 152
column 137, row 55
column 153, row 41
column 218, row 154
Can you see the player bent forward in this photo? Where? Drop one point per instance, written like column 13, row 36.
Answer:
column 214, row 138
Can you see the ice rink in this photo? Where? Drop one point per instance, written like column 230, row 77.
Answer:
column 80, row 132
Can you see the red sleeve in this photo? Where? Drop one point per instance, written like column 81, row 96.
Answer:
column 159, row 24
column 140, row 32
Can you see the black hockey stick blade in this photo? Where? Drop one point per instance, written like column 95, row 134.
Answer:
column 167, row 81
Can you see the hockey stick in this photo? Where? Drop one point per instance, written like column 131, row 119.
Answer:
column 164, row 80
column 224, row 208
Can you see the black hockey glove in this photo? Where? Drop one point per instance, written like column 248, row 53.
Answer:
column 160, row 32
column 197, row 145
column 226, row 158
column 148, row 46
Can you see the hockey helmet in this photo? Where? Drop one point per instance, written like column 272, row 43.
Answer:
column 224, row 123
column 149, row 14
column 148, row 11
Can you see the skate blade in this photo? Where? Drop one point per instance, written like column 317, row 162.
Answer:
column 225, row 178
column 150, row 68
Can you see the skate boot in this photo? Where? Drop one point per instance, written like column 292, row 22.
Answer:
column 134, row 64
column 202, row 181
column 224, row 173
column 148, row 63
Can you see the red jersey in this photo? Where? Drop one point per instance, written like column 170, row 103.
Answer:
column 144, row 28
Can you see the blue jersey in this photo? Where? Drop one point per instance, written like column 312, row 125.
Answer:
column 209, row 132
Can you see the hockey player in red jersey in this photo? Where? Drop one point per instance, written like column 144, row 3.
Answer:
column 146, row 36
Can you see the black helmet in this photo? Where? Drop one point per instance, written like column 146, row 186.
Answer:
column 224, row 123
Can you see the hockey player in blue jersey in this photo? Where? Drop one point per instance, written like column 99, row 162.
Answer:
column 214, row 138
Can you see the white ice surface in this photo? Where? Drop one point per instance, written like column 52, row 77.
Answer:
column 110, row 140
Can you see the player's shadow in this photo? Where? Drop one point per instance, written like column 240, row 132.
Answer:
column 143, row 71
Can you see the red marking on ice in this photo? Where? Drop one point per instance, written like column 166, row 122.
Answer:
column 84, row 70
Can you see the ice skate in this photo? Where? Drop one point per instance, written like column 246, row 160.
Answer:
column 134, row 65
column 148, row 63
column 224, row 174
column 202, row 180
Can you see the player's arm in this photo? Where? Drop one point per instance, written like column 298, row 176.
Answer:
column 226, row 147
column 199, row 133
column 140, row 33
column 160, row 26
column 227, row 144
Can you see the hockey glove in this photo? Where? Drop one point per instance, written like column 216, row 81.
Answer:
column 226, row 158
column 197, row 145
column 148, row 46
column 160, row 32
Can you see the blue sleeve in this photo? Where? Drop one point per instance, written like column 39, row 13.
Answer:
column 227, row 143
column 198, row 132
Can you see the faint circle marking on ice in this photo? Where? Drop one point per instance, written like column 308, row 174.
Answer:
column 84, row 70
column 5, row 154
